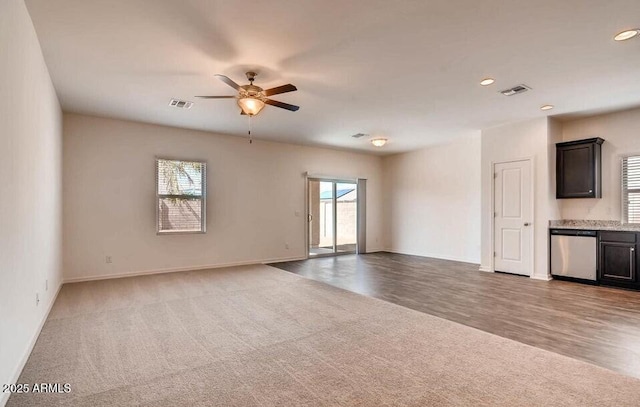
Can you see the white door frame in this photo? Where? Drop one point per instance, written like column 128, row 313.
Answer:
column 533, row 213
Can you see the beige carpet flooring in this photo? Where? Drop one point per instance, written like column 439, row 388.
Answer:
column 259, row 336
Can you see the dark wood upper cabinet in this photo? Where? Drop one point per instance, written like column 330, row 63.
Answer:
column 579, row 169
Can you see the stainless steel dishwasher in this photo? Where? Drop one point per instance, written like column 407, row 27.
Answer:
column 574, row 253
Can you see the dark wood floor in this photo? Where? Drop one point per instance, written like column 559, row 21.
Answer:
column 596, row 324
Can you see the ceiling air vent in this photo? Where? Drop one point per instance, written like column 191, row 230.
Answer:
column 180, row 104
column 358, row 135
column 515, row 90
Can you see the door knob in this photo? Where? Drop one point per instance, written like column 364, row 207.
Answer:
column 527, row 224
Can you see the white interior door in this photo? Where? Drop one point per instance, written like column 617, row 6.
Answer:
column 513, row 229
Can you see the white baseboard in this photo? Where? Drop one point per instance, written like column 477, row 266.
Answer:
column 282, row 260
column 4, row 397
column 486, row 269
column 433, row 256
column 178, row 269
column 543, row 278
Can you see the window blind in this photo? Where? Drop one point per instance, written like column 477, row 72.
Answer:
column 181, row 196
column 631, row 189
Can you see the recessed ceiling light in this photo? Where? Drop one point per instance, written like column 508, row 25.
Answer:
column 379, row 142
column 487, row 81
column 546, row 107
column 627, row 35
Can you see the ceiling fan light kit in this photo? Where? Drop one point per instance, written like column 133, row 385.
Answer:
column 379, row 142
column 250, row 105
column 251, row 98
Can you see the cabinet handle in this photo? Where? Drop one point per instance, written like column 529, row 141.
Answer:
column 591, row 190
column 631, row 261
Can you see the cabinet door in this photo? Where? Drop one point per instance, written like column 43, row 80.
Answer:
column 617, row 261
column 575, row 171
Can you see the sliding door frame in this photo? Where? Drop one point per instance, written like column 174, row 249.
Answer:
column 335, row 182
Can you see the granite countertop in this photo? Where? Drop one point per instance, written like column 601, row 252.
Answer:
column 593, row 225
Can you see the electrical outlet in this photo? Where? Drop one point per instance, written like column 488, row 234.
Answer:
column 108, row 259
column 37, row 299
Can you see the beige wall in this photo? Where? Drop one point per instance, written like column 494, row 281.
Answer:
column 621, row 130
column 533, row 138
column 30, row 208
column 256, row 197
column 432, row 201
column 554, row 136
column 346, row 232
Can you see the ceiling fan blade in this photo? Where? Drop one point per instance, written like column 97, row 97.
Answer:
column 215, row 97
column 281, row 105
column 280, row 89
column 228, row 81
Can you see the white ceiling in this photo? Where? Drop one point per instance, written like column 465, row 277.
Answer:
column 404, row 70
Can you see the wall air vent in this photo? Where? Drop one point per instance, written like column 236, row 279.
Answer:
column 359, row 135
column 180, row 104
column 515, row 90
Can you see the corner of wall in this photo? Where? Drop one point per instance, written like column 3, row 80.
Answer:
column 517, row 141
column 424, row 200
column 34, row 136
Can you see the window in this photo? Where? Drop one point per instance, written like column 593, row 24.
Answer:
column 181, row 196
column 631, row 189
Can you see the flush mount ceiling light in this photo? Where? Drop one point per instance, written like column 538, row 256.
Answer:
column 379, row 142
column 487, row 81
column 627, row 35
column 546, row 107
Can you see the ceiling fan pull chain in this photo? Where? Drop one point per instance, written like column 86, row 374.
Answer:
column 250, row 139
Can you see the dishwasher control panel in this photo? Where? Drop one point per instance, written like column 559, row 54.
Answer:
column 574, row 232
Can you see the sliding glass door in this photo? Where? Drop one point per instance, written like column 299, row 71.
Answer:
column 346, row 217
column 332, row 217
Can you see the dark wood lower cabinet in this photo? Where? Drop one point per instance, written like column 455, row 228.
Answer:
column 618, row 259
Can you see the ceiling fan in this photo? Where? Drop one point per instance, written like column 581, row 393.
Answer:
column 252, row 98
